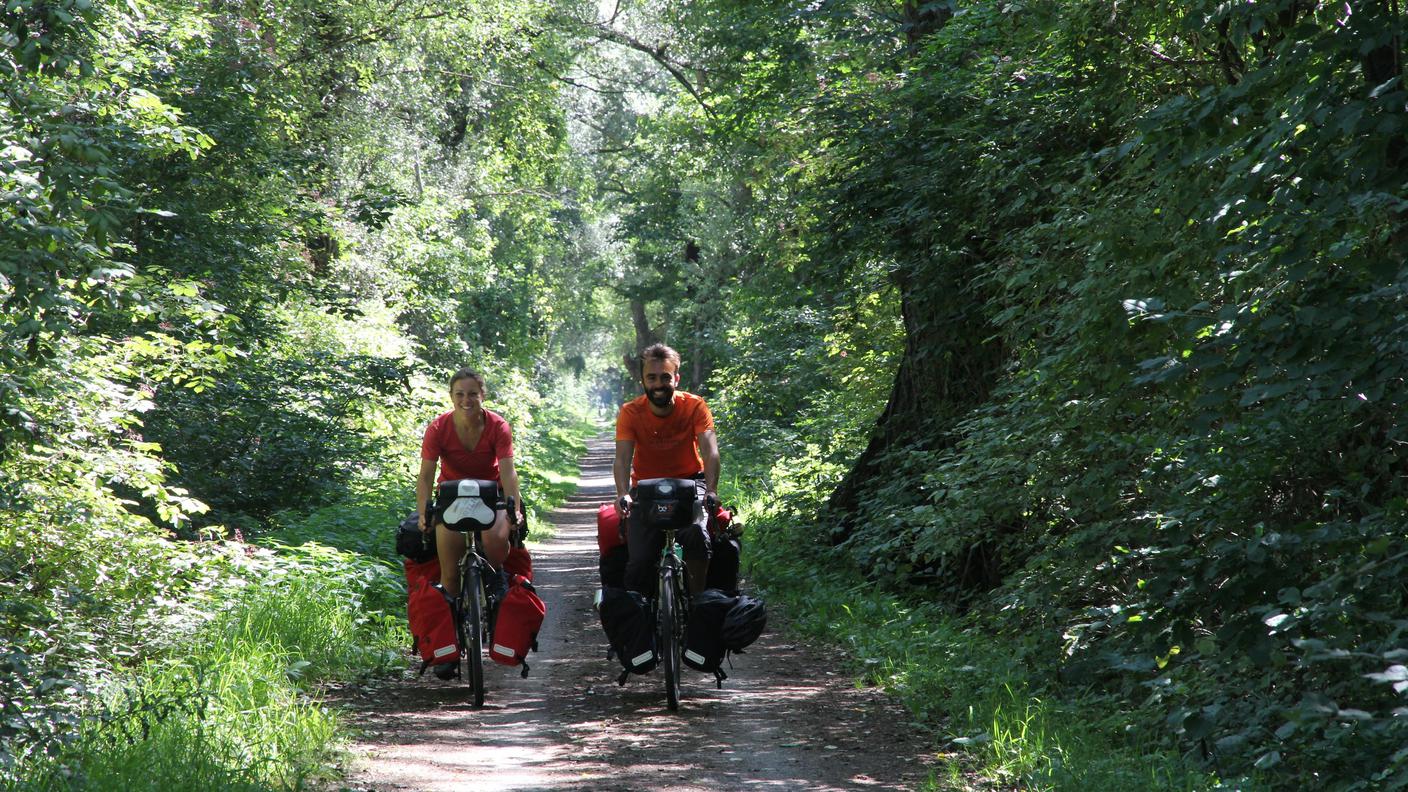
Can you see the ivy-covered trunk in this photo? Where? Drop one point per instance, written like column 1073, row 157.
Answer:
column 951, row 353
column 945, row 372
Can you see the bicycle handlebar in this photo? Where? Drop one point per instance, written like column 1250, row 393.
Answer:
column 510, row 503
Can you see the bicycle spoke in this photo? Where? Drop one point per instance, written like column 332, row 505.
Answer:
column 667, row 629
column 473, row 596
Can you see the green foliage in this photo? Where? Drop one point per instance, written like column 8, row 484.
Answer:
column 1091, row 310
column 227, row 716
column 994, row 715
column 238, row 238
column 209, row 647
column 274, row 433
column 1154, row 254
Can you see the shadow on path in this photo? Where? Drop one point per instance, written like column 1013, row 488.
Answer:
column 785, row 719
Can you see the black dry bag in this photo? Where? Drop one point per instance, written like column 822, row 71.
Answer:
column 413, row 544
column 625, row 616
column 704, row 647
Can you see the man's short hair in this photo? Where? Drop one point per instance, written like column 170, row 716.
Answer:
column 659, row 352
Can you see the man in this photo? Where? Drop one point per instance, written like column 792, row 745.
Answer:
column 665, row 433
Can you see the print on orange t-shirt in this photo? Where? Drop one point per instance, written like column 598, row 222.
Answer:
column 665, row 447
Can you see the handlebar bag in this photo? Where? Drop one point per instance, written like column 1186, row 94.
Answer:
column 516, row 627
column 667, row 502
column 467, row 504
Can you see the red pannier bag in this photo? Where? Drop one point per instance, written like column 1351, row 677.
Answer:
column 612, row 545
column 608, row 528
column 516, row 627
column 432, row 623
column 519, row 562
column 722, row 519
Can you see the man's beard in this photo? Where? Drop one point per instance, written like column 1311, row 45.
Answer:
column 661, row 397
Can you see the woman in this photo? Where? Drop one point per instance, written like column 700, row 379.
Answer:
column 467, row 442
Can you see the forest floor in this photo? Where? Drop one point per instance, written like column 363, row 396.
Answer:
column 788, row 717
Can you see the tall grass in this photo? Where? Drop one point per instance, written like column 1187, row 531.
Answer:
column 237, row 648
column 1009, row 724
column 230, row 706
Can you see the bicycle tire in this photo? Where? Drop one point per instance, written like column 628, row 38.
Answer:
column 667, row 627
column 472, row 588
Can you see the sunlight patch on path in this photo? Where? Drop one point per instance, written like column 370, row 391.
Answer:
column 784, row 720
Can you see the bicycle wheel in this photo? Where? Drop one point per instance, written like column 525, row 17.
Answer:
column 667, row 628
column 472, row 597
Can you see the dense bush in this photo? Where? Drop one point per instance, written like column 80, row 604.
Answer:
column 224, row 293
column 1148, row 262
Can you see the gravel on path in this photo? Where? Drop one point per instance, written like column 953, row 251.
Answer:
column 786, row 718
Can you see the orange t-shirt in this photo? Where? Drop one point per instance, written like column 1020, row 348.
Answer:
column 665, row 447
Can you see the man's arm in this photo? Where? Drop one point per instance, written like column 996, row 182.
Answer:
column 621, row 468
column 709, row 452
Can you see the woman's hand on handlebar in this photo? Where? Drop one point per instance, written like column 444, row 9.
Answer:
column 623, row 506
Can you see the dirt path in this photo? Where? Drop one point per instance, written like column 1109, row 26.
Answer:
column 785, row 718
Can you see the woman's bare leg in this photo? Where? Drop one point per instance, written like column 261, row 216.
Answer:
column 449, row 546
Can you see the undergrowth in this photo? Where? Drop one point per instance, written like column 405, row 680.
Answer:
column 203, row 669
column 990, row 713
column 231, row 704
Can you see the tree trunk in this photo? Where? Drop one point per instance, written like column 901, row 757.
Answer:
column 645, row 336
column 921, row 19
column 1382, row 64
column 946, row 370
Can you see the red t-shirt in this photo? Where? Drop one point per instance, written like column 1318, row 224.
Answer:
column 443, row 444
column 666, row 447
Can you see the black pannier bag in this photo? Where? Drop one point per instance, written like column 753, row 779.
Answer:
column 467, row 504
column 625, row 616
column 723, row 562
column 704, row 647
column 612, row 566
column 666, row 502
column 413, row 544
column 745, row 621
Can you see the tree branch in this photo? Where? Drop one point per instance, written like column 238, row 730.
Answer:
column 615, row 186
column 575, row 84
column 657, row 54
column 380, row 33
